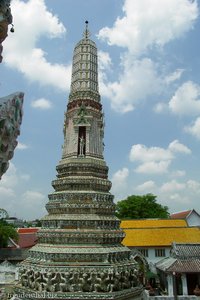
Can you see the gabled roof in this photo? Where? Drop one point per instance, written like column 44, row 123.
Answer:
column 185, row 259
column 180, row 266
column 186, row 250
column 183, row 214
column 152, row 223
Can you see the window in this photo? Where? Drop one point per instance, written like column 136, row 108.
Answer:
column 159, row 252
column 144, row 252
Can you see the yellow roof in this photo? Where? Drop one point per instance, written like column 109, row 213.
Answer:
column 149, row 237
column 146, row 223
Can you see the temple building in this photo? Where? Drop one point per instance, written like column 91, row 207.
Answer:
column 79, row 254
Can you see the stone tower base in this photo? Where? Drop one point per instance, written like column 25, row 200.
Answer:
column 130, row 294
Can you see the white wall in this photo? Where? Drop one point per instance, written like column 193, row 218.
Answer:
column 193, row 219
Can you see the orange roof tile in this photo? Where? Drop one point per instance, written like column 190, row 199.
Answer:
column 149, row 237
column 27, row 240
column 27, row 230
column 149, row 223
column 180, row 215
column 27, row 237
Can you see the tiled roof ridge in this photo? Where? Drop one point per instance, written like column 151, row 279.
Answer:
column 27, row 230
column 154, row 228
column 144, row 219
column 152, row 222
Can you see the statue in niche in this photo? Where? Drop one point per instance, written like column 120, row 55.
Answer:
column 81, row 146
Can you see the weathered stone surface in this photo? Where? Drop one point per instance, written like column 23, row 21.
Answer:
column 10, row 121
column 5, row 20
column 79, row 254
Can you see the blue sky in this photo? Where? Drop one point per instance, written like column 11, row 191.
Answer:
column 149, row 70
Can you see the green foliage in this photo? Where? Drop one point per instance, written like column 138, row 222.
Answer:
column 7, row 231
column 38, row 223
column 141, row 207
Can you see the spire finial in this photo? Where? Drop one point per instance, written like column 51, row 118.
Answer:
column 86, row 33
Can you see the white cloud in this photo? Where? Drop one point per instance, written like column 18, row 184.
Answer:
column 25, row 177
column 139, row 79
column 160, row 107
column 6, row 192
column 156, row 160
column 174, row 76
column 41, row 103
column 172, row 186
column 175, row 146
column 104, row 60
column 194, row 128
column 174, row 194
column 179, row 199
column 19, row 200
column 178, row 173
column 153, row 167
column 119, row 183
column 33, row 203
column 142, row 153
column 104, row 65
column 32, row 21
column 119, row 178
column 147, row 23
column 186, row 100
column 193, row 185
column 10, row 178
column 148, row 186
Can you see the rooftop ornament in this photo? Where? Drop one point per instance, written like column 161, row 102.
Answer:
column 86, row 33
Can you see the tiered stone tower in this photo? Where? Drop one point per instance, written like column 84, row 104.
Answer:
column 79, row 254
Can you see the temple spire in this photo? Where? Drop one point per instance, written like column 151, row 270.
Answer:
column 84, row 81
column 79, row 255
column 86, row 33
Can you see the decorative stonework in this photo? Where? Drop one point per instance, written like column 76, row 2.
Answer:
column 79, row 254
column 80, row 280
column 10, row 121
column 5, row 20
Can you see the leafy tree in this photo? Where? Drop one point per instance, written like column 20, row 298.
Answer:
column 141, row 207
column 7, row 231
column 38, row 223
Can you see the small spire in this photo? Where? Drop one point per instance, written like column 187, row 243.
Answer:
column 86, row 33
